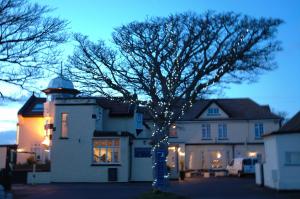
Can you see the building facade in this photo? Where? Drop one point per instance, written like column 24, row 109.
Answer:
column 93, row 139
column 282, row 166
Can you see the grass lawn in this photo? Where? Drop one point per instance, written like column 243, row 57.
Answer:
column 160, row 195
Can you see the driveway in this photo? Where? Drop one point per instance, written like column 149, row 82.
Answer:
column 202, row 188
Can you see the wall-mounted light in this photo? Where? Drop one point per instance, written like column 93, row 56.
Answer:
column 46, row 141
column 252, row 154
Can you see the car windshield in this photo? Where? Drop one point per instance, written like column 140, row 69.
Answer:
column 247, row 161
column 254, row 161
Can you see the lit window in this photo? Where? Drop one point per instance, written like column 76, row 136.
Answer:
column 222, row 131
column 172, row 131
column 216, row 160
column 259, row 130
column 292, row 158
column 205, row 131
column 106, row 151
column 64, row 125
column 213, row 111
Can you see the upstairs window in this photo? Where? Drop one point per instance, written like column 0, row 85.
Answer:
column 206, row 131
column 106, row 151
column 64, row 125
column 139, row 121
column 172, row 131
column 222, row 131
column 213, row 111
column 259, row 130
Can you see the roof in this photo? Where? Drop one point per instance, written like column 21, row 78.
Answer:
column 60, row 82
column 235, row 108
column 292, row 126
column 34, row 107
column 116, row 108
column 12, row 146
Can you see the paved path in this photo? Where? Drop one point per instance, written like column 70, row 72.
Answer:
column 212, row 188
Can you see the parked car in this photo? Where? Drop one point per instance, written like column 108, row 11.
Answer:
column 241, row 166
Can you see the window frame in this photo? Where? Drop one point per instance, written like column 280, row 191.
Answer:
column 258, row 130
column 288, row 158
column 206, row 131
column 213, row 111
column 222, row 131
column 173, row 129
column 64, row 135
column 113, row 147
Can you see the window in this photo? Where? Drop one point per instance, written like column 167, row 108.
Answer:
column 64, row 125
column 205, row 131
column 213, row 111
column 38, row 108
column 222, row 131
column 259, row 130
column 216, row 160
column 139, row 121
column 172, row 131
column 106, row 151
column 99, row 114
column 292, row 158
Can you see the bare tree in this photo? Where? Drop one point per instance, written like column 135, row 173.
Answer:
column 28, row 39
column 172, row 61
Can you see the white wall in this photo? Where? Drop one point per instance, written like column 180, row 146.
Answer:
column 141, row 169
column 237, row 131
column 277, row 174
column 3, row 151
column 71, row 159
column 31, row 134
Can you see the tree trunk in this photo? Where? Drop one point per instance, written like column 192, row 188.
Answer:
column 159, row 166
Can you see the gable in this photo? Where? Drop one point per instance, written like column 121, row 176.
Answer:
column 213, row 110
column 34, row 107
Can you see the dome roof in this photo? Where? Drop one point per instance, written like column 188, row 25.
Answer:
column 60, row 82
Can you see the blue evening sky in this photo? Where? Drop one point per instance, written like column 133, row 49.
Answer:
column 98, row 18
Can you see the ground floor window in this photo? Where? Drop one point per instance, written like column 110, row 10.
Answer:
column 106, row 151
column 216, row 160
column 292, row 158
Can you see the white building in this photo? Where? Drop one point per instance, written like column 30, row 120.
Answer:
column 282, row 167
column 92, row 139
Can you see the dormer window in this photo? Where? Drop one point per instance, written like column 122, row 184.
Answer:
column 38, row 108
column 213, row 111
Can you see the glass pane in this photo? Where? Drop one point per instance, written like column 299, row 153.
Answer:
column 98, row 143
column 117, row 142
column 109, row 155
column 102, row 155
column 96, row 155
column 247, row 161
column 109, row 142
